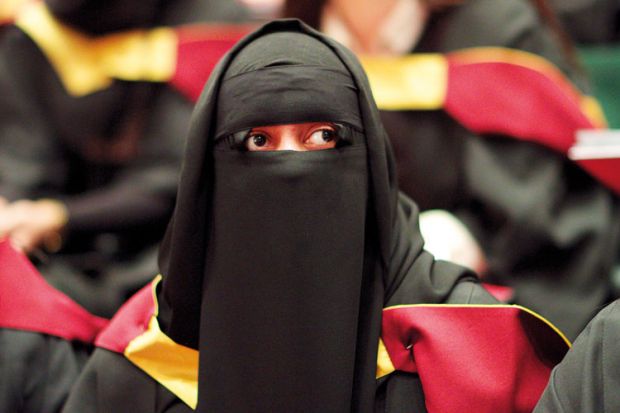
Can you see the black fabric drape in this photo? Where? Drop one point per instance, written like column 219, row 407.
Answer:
column 588, row 377
column 284, row 266
column 37, row 371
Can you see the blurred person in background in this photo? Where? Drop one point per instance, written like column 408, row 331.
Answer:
column 590, row 21
column 534, row 220
column 88, row 163
column 595, row 27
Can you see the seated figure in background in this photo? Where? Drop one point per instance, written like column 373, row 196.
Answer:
column 89, row 161
column 496, row 160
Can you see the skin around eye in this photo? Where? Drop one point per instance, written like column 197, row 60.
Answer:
column 292, row 137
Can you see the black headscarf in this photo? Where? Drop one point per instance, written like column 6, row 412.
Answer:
column 277, row 264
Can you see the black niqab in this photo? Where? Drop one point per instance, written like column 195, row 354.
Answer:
column 277, row 265
column 286, row 241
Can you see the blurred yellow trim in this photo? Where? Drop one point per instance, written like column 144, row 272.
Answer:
column 412, row 82
column 172, row 365
column 384, row 363
column 507, row 306
column 88, row 64
column 505, row 55
column 593, row 110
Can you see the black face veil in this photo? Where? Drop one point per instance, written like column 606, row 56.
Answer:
column 274, row 262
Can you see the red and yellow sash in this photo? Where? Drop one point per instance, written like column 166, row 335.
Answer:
column 494, row 358
column 183, row 56
column 29, row 303
column 494, row 91
column 488, row 90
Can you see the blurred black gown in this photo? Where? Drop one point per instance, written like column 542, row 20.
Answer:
column 112, row 156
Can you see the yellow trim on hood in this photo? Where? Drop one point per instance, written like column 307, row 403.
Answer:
column 172, row 365
column 408, row 82
column 384, row 363
column 88, row 64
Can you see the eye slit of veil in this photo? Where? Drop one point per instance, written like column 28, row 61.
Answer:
column 347, row 136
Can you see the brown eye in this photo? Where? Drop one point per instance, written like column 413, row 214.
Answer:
column 328, row 135
column 322, row 139
column 259, row 140
column 256, row 142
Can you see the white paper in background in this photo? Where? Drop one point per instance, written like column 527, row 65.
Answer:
column 595, row 144
column 266, row 9
column 447, row 238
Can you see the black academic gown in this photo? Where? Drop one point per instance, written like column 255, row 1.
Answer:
column 590, row 21
column 53, row 364
column 546, row 228
column 514, row 24
column 119, row 197
column 589, row 376
column 110, row 381
column 45, row 338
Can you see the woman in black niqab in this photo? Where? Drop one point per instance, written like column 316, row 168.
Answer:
column 303, row 250
column 277, row 265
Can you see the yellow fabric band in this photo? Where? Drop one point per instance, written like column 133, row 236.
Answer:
column 408, row 82
column 172, row 365
column 384, row 363
column 87, row 64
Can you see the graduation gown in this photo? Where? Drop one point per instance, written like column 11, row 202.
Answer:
column 281, row 269
column 548, row 230
column 108, row 147
column 423, row 351
column 590, row 21
column 548, row 225
column 514, row 24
